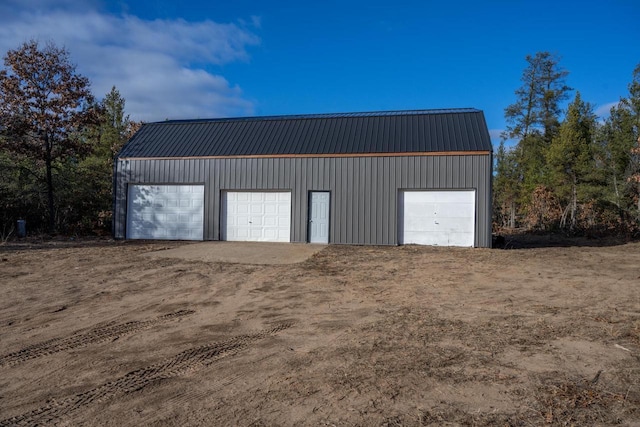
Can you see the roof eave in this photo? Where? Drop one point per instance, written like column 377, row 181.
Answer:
column 317, row 155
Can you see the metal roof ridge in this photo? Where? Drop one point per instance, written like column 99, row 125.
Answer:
column 385, row 113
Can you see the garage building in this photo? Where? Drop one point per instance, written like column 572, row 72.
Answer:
column 380, row 178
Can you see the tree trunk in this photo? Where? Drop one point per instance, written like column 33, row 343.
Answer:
column 638, row 201
column 616, row 191
column 617, row 201
column 512, row 215
column 48, row 163
column 574, row 203
column 563, row 218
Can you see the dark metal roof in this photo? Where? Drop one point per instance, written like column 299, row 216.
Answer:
column 386, row 132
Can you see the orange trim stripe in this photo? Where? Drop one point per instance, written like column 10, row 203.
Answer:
column 289, row 156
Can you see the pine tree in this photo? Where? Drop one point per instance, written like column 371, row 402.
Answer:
column 537, row 107
column 616, row 138
column 571, row 160
column 115, row 126
column 533, row 122
column 618, row 153
column 95, row 173
column 505, row 186
column 634, row 178
column 633, row 169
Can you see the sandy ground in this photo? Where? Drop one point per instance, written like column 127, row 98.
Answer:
column 241, row 252
column 98, row 333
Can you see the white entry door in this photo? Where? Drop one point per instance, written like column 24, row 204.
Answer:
column 319, row 217
column 168, row 212
column 439, row 218
column 257, row 216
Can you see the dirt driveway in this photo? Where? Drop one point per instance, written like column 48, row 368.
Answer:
column 241, row 252
column 98, row 332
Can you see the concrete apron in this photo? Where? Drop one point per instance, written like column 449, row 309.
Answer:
column 242, row 252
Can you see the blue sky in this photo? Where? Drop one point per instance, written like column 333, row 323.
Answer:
column 199, row 59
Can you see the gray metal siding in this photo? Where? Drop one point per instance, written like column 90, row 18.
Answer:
column 364, row 190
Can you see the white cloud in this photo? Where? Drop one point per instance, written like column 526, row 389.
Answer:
column 604, row 110
column 161, row 67
column 495, row 135
column 496, row 138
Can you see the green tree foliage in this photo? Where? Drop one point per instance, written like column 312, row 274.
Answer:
column 115, row 126
column 21, row 193
column 616, row 138
column 533, row 121
column 571, row 161
column 537, row 108
column 633, row 179
column 55, row 136
column 632, row 175
column 618, row 142
column 96, row 171
column 505, row 187
column 44, row 106
column 576, row 174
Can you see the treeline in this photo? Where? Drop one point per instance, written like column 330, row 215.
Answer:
column 566, row 170
column 57, row 144
column 560, row 171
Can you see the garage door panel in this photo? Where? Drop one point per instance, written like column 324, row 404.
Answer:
column 443, row 218
column 460, row 239
column 257, row 216
column 257, row 234
column 418, row 225
column 454, row 210
column 445, row 197
column 452, row 238
column 416, row 237
column 165, row 212
column 241, row 234
column 452, row 225
column 241, row 220
column 284, row 210
column 437, row 236
column 270, row 234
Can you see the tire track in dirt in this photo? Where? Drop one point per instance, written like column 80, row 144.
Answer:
column 184, row 362
column 94, row 336
column 179, row 399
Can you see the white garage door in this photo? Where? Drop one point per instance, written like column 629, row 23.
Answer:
column 171, row 212
column 257, row 216
column 442, row 218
